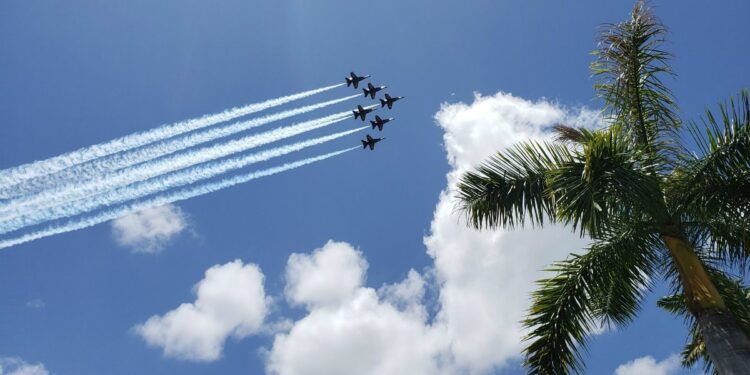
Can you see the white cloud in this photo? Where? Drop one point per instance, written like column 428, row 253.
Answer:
column 649, row 366
column 17, row 366
column 230, row 301
column 484, row 278
column 359, row 334
column 148, row 231
column 406, row 295
column 328, row 276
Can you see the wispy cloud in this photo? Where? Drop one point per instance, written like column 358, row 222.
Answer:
column 149, row 230
column 17, row 366
column 35, row 304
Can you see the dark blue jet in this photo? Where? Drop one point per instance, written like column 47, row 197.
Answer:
column 388, row 101
column 371, row 142
column 353, row 79
column 379, row 122
column 371, row 90
column 362, row 112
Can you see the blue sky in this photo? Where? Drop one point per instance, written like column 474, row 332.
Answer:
column 78, row 73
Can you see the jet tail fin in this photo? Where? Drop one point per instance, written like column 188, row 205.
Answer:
column 364, row 144
column 367, row 92
column 382, row 103
column 356, row 114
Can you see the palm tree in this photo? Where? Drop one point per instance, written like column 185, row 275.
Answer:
column 651, row 207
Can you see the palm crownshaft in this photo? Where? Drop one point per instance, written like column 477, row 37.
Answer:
column 650, row 207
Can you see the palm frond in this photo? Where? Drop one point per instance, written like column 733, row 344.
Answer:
column 564, row 133
column 709, row 190
column 606, row 283
column 510, row 188
column 629, row 65
column 607, row 180
column 717, row 180
column 618, row 302
column 724, row 239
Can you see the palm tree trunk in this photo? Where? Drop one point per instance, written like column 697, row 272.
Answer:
column 726, row 343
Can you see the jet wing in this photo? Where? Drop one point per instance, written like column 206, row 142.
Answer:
column 372, row 146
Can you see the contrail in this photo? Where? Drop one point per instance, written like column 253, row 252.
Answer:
column 60, row 194
column 163, row 183
column 140, row 172
column 117, row 161
column 17, row 174
column 161, row 200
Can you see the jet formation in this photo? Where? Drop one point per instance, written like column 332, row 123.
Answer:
column 361, row 112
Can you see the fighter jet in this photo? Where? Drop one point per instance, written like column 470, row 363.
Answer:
column 353, row 79
column 388, row 101
column 371, row 142
column 362, row 112
column 379, row 122
column 371, row 90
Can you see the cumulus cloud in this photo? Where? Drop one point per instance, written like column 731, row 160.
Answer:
column 17, row 366
column 406, row 295
column 484, row 278
column 230, row 301
column 649, row 366
column 328, row 276
column 361, row 333
column 148, row 231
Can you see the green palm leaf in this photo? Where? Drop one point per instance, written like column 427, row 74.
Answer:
column 510, row 188
column 629, row 63
column 605, row 284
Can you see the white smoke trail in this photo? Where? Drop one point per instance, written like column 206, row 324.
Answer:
column 17, row 174
column 117, row 161
column 74, row 190
column 184, row 194
column 21, row 216
column 164, row 182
